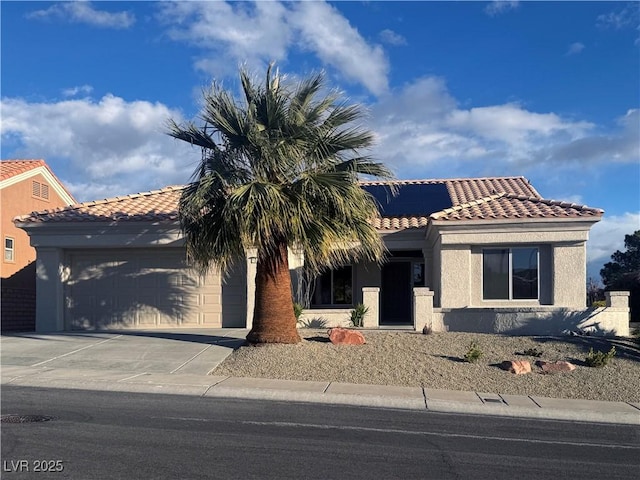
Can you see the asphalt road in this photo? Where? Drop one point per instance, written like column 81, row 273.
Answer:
column 150, row 436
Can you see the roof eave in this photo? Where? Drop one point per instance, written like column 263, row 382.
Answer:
column 524, row 220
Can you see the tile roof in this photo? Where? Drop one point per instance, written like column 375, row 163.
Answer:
column 490, row 198
column 11, row 168
column 508, row 198
column 509, row 206
column 155, row 206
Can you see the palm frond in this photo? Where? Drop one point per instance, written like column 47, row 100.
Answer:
column 280, row 167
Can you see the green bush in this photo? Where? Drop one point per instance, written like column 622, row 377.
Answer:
column 297, row 310
column 473, row 353
column 599, row 304
column 599, row 359
column 357, row 315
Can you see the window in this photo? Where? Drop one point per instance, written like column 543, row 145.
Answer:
column 40, row 190
column 334, row 287
column 510, row 274
column 9, row 249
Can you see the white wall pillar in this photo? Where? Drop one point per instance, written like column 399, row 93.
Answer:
column 617, row 299
column 569, row 275
column 422, row 307
column 371, row 299
column 50, row 278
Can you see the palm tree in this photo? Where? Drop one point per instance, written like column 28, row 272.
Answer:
column 279, row 169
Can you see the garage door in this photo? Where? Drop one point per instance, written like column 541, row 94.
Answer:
column 110, row 289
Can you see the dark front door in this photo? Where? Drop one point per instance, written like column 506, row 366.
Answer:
column 395, row 293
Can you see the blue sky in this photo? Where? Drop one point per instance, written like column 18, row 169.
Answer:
column 548, row 90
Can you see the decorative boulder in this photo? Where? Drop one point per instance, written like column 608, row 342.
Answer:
column 554, row 367
column 345, row 336
column 518, row 367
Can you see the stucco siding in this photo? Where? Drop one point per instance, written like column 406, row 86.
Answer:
column 569, row 275
column 18, row 199
column 604, row 321
column 457, row 260
column 455, row 275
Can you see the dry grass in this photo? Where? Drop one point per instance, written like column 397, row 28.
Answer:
column 437, row 361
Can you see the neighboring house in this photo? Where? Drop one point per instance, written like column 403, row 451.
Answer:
column 473, row 254
column 25, row 186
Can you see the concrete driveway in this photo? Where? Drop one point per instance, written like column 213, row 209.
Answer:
column 111, row 355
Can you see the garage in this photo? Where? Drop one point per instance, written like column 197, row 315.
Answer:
column 121, row 263
column 146, row 289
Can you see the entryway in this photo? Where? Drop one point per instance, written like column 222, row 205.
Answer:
column 395, row 293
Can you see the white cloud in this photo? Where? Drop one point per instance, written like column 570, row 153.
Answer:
column 621, row 19
column 330, row 36
column 73, row 91
column 260, row 32
column 607, row 236
column 500, row 6
column 84, row 12
column 627, row 16
column 575, row 48
column 421, row 128
column 620, row 146
column 112, row 146
column 511, row 124
column 235, row 32
column 392, row 38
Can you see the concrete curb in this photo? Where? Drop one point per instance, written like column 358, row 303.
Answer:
column 381, row 396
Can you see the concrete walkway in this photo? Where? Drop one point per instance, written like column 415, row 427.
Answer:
column 178, row 362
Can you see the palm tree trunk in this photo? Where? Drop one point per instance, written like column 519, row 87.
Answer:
column 273, row 317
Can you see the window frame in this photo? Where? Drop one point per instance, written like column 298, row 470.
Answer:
column 11, row 249
column 511, row 274
column 332, row 292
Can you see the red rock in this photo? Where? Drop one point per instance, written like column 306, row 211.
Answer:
column 554, row 367
column 345, row 336
column 518, row 367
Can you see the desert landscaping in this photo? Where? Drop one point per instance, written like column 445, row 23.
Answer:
column 437, row 361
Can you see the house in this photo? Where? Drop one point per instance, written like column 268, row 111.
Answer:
column 25, row 186
column 470, row 254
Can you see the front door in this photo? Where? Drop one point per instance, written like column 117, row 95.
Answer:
column 395, row 294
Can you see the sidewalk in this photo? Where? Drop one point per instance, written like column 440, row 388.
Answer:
column 178, row 363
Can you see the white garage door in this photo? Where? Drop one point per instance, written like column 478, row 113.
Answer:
column 109, row 289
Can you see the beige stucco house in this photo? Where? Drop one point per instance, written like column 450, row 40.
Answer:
column 472, row 254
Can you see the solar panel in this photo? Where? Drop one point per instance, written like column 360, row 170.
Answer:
column 412, row 199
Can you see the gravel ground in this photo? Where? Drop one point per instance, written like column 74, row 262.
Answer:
column 436, row 361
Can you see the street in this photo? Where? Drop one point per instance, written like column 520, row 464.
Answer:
column 96, row 435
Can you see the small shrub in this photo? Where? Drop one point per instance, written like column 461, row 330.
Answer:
column 297, row 310
column 599, row 359
column 473, row 353
column 357, row 315
column 533, row 352
column 599, row 304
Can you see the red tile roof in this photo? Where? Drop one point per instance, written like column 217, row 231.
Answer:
column 11, row 168
column 509, row 206
column 509, row 198
column 157, row 206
